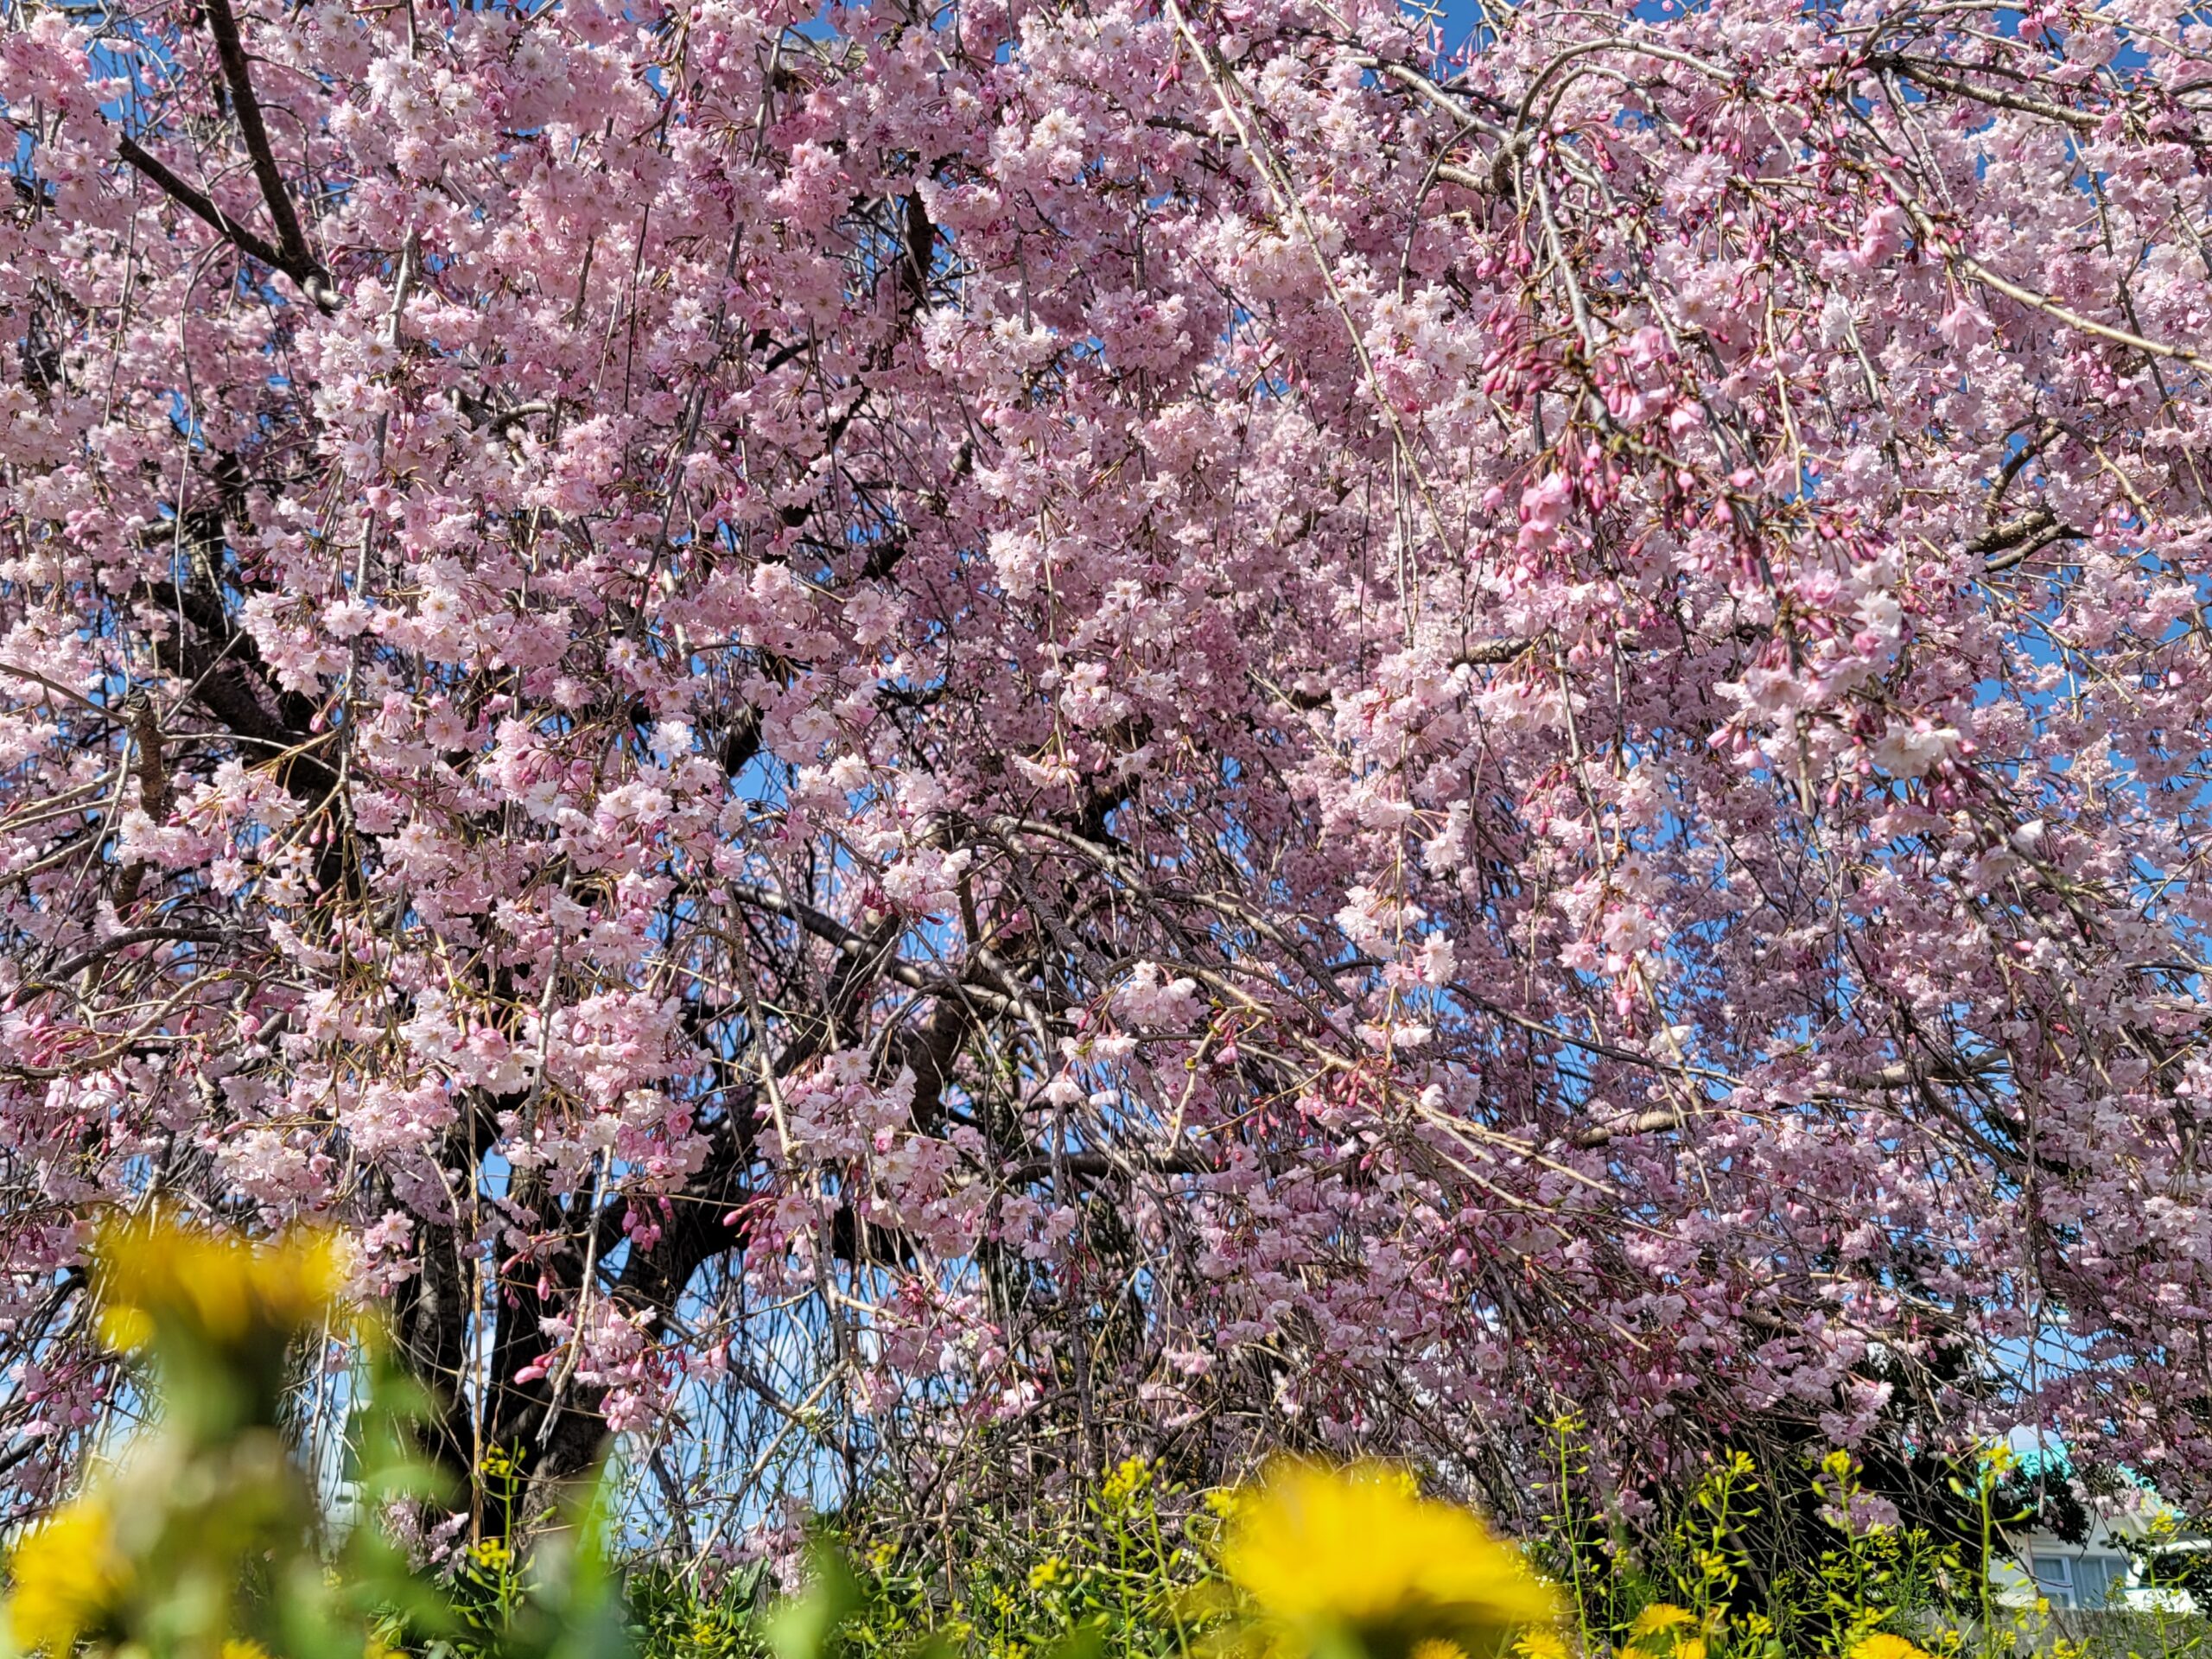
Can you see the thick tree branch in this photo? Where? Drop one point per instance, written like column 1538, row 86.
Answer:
column 298, row 262
column 202, row 206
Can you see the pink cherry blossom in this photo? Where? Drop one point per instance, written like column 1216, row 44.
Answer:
column 1140, row 723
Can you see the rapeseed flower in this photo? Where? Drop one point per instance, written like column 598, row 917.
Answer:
column 1355, row 1561
column 1128, row 1479
column 1052, row 1570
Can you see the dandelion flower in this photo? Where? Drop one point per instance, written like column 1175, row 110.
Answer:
column 1326, row 1556
column 1885, row 1644
column 1659, row 1616
column 1663, row 1630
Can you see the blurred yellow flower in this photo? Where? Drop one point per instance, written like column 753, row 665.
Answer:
column 221, row 1289
column 238, row 1648
column 1326, row 1555
column 1540, row 1643
column 1662, row 1630
column 68, row 1576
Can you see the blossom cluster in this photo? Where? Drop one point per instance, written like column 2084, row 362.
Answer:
column 1166, row 717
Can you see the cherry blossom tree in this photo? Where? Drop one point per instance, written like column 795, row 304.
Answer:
column 956, row 742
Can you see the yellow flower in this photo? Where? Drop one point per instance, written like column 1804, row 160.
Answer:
column 239, row 1647
column 1047, row 1573
column 214, row 1286
column 1131, row 1476
column 1659, row 1616
column 492, row 1552
column 1540, row 1643
column 1322, row 1553
column 1885, row 1644
column 1663, row 1630
column 69, row 1577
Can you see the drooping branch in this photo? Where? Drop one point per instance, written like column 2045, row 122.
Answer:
column 202, row 206
column 291, row 253
column 298, row 261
